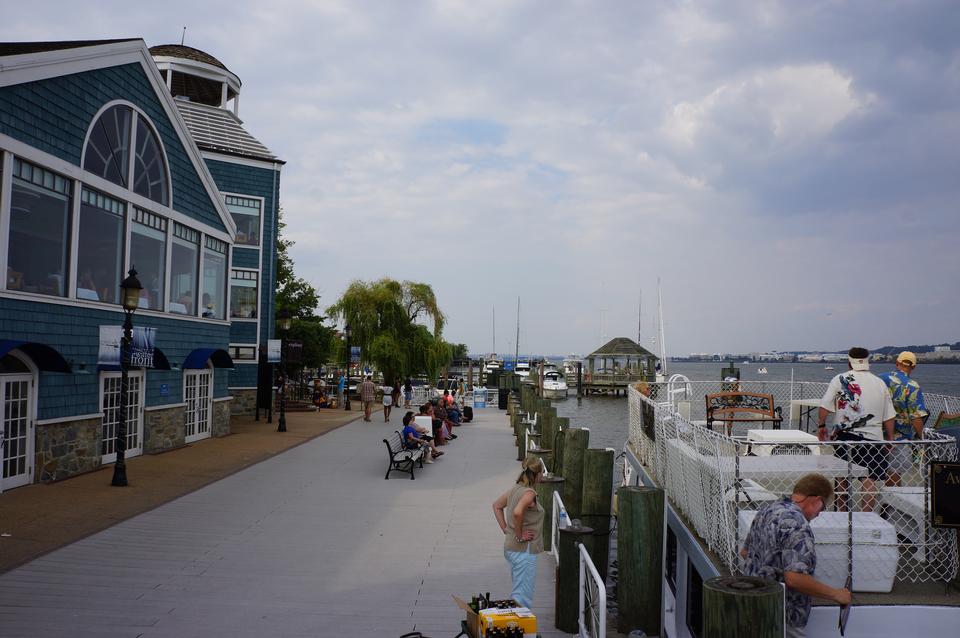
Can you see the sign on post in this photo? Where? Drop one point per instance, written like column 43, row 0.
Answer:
column 354, row 354
column 294, row 351
column 945, row 494
column 273, row 350
column 141, row 346
column 479, row 398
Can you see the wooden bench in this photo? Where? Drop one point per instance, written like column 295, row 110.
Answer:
column 402, row 459
column 758, row 408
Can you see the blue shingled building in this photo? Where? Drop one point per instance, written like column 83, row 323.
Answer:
column 115, row 156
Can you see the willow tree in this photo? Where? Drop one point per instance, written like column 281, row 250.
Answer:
column 387, row 320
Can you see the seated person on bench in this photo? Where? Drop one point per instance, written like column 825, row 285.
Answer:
column 414, row 440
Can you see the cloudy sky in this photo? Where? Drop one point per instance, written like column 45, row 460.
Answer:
column 789, row 170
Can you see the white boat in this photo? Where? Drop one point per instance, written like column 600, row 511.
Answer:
column 554, row 386
column 492, row 364
column 522, row 369
column 761, row 370
column 828, row 368
column 715, row 483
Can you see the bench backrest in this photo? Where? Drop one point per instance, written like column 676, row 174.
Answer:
column 723, row 405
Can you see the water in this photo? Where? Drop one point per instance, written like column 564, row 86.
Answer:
column 607, row 417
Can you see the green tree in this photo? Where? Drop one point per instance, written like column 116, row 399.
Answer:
column 460, row 351
column 298, row 297
column 387, row 318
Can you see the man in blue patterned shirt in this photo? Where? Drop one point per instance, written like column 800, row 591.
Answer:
column 908, row 403
column 780, row 547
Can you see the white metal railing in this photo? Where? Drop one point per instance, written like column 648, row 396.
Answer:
column 559, row 519
column 592, row 599
column 717, row 480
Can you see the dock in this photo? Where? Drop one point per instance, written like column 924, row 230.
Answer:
column 310, row 542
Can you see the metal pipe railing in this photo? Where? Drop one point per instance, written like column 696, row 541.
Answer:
column 593, row 614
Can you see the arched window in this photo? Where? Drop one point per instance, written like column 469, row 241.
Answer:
column 109, row 153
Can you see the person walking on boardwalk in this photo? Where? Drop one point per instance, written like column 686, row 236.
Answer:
column 780, row 546
column 368, row 392
column 521, row 519
column 408, row 393
column 387, row 403
column 910, row 411
column 395, row 393
column 852, row 396
column 341, row 387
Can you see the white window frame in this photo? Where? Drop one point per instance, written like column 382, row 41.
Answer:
column 141, row 392
column 263, row 203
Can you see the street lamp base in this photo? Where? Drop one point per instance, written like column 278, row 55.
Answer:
column 282, row 425
column 119, row 476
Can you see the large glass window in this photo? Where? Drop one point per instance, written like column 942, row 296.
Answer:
column 243, row 294
column 148, row 254
column 214, row 279
column 246, row 215
column 108, row 148
column 39, row 230
column 150, row 170
column 100, row 247
column 184, row 256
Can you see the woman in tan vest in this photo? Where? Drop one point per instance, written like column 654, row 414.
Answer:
column 521, row 518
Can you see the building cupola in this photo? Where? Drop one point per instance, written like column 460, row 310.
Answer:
column 195, row 76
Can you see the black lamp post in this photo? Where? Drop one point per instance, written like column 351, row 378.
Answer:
column 346, row 384
column 284, row 319
column 130, row 298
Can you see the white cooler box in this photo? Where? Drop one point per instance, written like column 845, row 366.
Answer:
column 787, row 442
column 875, row 550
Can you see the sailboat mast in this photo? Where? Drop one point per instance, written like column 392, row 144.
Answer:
column 516, row 353
column 639, row 317
column 494, row 330
column 663, row 347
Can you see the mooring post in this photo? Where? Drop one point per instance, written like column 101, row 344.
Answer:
column 545, row 490
column 575, row 442
column 563, row 424
column 735, row 606
column 640, row 559
column 566, row 603
column 597, row 496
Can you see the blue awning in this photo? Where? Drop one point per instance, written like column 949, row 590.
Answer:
column 43, row 356
column 160, row 362
column 199, row 357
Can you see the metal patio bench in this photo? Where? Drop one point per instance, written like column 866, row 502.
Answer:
column 402, row 459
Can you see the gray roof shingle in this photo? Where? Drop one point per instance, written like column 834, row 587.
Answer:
column 220, row 131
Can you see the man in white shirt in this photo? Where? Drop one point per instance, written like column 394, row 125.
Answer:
column 851, row 396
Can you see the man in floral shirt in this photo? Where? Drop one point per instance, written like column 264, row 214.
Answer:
column 780, row 547
column 852, row 395
column 908, row 403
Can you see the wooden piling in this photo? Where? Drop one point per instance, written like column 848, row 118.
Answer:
column 735, row 606
column 545, row 490
column 566, row 599
column 562, row 425
column 640, row 559
column 595, row 501
column 575, row 442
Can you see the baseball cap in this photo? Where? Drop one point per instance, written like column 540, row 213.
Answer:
column 859, row 358
column 907, row 357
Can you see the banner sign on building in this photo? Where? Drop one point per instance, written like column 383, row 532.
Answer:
column 294, row 351
column 354, row 354
column 141, row 346
column 273, row 350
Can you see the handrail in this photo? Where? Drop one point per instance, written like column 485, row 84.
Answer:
column 597, row 625
column 558, row 520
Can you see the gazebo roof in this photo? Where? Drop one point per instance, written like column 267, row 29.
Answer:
column 620, row 347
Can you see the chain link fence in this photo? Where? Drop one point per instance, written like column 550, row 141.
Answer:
column 879, row 516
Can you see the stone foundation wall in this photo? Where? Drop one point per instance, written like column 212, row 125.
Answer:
column 164, row 429
column 221, row 418
column 67, row 448
column 244, row 402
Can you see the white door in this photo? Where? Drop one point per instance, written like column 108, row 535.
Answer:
column 110, row 406
column 16, row 432
column 198, row 395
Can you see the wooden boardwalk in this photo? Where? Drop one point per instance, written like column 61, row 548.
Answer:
column 312, row 542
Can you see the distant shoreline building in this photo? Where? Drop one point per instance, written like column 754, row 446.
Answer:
column 113, row 156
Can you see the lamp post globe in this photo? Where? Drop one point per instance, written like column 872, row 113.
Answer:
column 347, row 332
column 283, row 320
column 130, row 289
